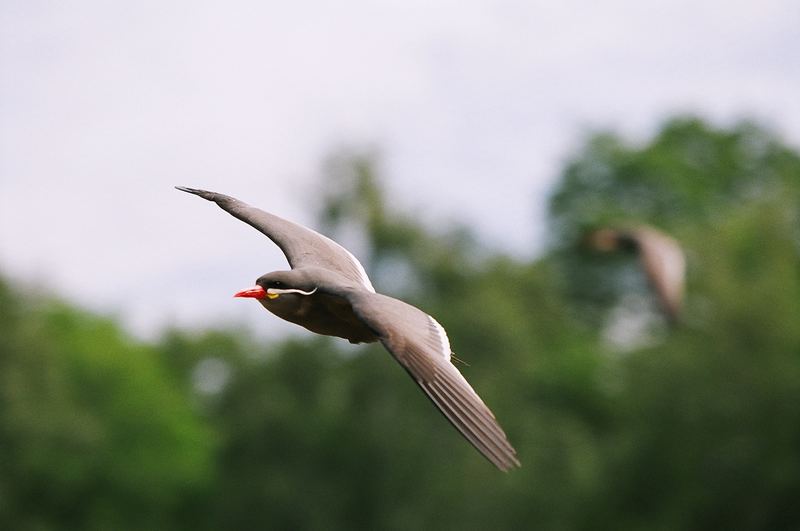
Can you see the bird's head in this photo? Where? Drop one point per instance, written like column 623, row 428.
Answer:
column 273, row 285
column 611, row 239
column 603, row 240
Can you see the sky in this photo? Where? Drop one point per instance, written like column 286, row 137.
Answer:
column 473, row 106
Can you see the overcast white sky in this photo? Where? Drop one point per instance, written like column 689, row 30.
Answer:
column 104, row 106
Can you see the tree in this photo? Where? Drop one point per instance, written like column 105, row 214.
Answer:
column 92, row 433
column 704, row 420
column 687, row 181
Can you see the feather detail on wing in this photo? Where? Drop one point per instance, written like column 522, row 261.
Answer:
column 421, row 346
column 302, row 246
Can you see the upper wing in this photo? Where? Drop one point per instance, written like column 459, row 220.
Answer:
column 421, row 346
column 665, row 266
column 302, row 246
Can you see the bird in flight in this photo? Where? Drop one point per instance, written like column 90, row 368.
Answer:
column 660, row 255
column 328, row 292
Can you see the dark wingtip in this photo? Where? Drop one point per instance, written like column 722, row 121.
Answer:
column 205, row 194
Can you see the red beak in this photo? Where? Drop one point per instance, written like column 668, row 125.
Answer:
column 256, row 292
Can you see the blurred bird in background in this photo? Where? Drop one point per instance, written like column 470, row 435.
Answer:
column 661, row 257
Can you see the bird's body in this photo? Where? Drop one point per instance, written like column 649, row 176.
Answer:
column 328, row 292
column 325, row 309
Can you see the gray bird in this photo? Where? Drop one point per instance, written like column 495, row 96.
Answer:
column 328, row 292
column 661, row 257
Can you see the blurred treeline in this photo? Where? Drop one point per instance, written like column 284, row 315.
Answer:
column 621, row 422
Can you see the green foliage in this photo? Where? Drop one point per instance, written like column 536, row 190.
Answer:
column 705, row 426
column 691, row 173
column 92, row 433
column 696, row 427
column 689, row 181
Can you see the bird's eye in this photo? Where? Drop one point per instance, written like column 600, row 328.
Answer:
column 277, row 284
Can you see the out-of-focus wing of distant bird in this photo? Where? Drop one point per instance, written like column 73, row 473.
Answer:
column 664, row 264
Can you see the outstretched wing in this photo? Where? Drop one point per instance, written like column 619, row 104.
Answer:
column 301, row 245
column 665, row 266
column 421, row 346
